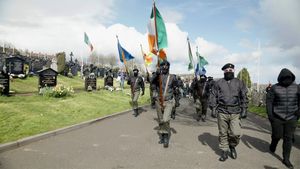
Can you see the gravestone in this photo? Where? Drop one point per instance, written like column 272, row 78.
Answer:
column 4, row 82
column 15, row 65
column 109, row 81
column 47, row 78
column 91, row 81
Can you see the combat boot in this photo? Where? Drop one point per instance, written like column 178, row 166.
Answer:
column 173, row 113
column 288, row 164
column 233, row 153
column 224, row 156
column 166, row 140
column 135, row 112
column 161, row 139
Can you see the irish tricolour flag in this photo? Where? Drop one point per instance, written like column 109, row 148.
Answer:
column 157, row 34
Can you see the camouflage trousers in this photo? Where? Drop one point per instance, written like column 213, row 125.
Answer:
column 164, row 116
column 229, row 126
column 201, row 108
column 134, row 97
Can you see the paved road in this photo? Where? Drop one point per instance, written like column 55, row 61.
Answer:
column 126, row 142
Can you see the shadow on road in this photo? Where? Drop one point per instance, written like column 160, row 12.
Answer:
column 253, row 142
column 269, row 167
column 211, row 141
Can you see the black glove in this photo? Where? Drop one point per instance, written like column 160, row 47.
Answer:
column 213, row 113
column 243, row 113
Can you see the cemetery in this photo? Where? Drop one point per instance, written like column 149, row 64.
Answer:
column 27, row 109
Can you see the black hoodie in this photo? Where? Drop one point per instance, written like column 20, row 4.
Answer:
column 283, row 100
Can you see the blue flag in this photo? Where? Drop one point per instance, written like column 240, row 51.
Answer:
column 124, row 54
column 200, row 70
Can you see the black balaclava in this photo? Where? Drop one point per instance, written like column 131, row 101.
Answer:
column 228, row 75
column 202, row 79
column 135, row 73
column 164, row 67
column 285, row 77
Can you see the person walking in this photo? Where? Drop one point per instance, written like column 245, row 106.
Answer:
column 137, row 85
column 201, row 90
column 283, row 108
column 166, row 85
column 229, row 101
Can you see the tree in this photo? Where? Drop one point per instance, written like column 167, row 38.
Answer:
column 112, row 61
column 245, row 77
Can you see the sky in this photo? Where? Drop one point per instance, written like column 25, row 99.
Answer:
column 260, row 35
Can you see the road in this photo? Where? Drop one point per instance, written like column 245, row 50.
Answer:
column 128, row 142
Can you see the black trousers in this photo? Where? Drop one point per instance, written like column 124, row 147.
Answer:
column 285, row 130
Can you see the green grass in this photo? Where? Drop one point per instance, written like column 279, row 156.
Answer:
column 261, row 111
column 23, row 116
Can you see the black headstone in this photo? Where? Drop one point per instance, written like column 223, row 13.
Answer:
column 91, row 81
column 109, row 81
column 4, row 81
column 47, row 78
column 15, row 65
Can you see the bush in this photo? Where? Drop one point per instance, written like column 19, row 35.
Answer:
column 58, row 91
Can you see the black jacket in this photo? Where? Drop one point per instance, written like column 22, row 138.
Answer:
column 229, row 96
column 283, row 99
column 169, row 89
column 201, row 90
column 136, row 83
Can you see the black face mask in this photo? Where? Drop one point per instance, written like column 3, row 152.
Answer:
column 135, row 74
column 287, row 81
column 165, row 70
column 202, row 80
column 228, row 75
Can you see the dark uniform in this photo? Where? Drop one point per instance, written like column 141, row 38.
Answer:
column 229, row 103
column 136, row 84
column 283, row 108
column 152, row 89
column 201, row 90
column 165, row 101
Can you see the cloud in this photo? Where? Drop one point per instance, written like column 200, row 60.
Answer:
column 61, row 29
column 281, row 18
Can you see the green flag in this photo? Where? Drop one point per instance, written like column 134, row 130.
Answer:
column 160, row 28
column 191, row 64
column 202, row 61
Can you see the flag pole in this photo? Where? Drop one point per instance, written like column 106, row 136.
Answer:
column 157, row 53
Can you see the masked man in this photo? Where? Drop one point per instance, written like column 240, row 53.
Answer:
column 201, row 89
column 166, row 86
column 229, row 101
column 136, row 83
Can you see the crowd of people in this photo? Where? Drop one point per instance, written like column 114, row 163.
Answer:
column 228, row 101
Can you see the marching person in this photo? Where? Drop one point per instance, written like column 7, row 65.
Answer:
column 229, row 100
column 283, row 108
column 137, row 85
column 166, row 85
column 201, row 90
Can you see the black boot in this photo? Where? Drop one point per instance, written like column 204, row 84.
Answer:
column 203, row 118
column 166, row 140
column 161, row 139
column 136, row 112
column 233, row 153
column 223, row 156
column 288, row 164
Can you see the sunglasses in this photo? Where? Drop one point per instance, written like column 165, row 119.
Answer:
column 229, row 70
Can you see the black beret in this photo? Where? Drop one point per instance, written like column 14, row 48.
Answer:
column 135, row 70
column 228, row 65
column 164, row 62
